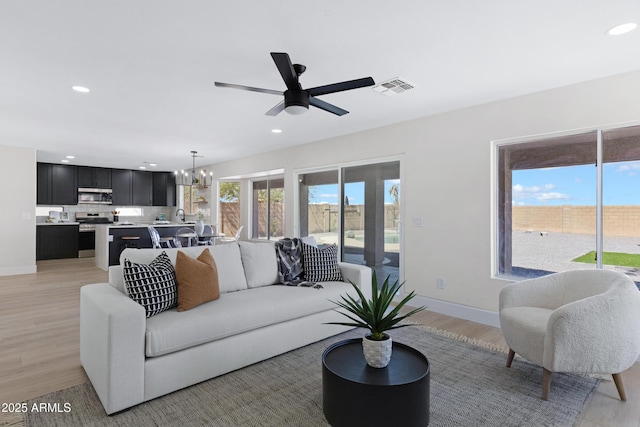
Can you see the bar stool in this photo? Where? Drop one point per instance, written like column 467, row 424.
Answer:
column 186, row 237
column 128, row 242
column 157, row 240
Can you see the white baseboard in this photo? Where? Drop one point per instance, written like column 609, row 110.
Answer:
column 21, row 269
column 472, row 314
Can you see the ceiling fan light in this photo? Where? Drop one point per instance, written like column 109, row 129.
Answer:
column 296, row 102
column 296, row 110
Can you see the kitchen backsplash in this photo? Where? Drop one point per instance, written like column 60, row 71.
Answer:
column 149, row 213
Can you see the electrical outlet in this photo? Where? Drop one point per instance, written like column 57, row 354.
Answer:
column 440, row 283
column 418, row 222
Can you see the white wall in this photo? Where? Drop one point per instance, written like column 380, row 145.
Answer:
column 17, row 211
column 447, row 176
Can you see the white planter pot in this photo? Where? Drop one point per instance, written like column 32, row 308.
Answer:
column 377, row 353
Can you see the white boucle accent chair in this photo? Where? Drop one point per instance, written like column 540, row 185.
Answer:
column 582, row 321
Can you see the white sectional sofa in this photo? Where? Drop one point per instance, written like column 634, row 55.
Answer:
column 130, row 358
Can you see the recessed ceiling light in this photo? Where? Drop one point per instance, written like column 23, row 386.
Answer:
column 71, row 157
column 80, row 89
column 152, row 164
column 64, row 161
column 142, row 167
column 276, row 130
column 622, row 29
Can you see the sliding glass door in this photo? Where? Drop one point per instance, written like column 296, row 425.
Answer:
column 370, row 217
column 319, row 207
column 357, row 208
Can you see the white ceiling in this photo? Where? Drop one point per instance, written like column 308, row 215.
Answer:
column 151, row 64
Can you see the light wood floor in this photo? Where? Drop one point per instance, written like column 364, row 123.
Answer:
column 39, row 341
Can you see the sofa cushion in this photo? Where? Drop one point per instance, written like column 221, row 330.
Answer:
column 230, row 271
column 321, row 265
column 238, row 312
column 260, row 263
column 153, row 285
column 197, row 280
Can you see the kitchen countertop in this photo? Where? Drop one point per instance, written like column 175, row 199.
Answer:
column 58, row 223
column 145, row 224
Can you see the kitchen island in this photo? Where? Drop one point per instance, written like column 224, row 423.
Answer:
column 109, row 242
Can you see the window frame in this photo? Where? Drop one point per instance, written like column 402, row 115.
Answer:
column 496, row 180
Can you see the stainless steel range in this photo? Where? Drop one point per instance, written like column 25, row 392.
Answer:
column 87, row 235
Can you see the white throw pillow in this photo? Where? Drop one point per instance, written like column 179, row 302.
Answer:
column 230, row 271
column 260, row 263
column 309, row 240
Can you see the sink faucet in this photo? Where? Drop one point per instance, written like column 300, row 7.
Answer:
column 178, row 211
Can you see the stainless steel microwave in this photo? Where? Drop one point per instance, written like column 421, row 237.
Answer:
column 101, row 196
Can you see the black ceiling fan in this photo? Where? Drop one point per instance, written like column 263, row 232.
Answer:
column 297, row 100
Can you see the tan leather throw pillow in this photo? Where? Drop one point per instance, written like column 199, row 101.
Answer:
column 197, row 280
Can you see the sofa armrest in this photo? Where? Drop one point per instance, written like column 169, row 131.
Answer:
column 112, row 339
column 360, row 275
column 116, row 277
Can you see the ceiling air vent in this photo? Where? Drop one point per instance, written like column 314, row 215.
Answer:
column 394, row 86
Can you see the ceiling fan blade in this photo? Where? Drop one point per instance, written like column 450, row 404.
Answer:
column 339, row 87
column 249, row 88
column 277, row 109
column 327, row 107
column 288, row 73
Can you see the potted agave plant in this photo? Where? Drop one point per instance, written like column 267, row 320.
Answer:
column 376, row 315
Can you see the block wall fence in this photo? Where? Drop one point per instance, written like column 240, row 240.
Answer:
column 323, row 218
column 623, row 221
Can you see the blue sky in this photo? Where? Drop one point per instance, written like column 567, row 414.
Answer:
column 576, row 185
column 354, row 191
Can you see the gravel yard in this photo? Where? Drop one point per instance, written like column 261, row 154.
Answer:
column 535, row 254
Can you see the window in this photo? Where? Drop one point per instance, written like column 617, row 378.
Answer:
column 268, row 209
column 568, row 203
column 187, row 196
column 229, row 208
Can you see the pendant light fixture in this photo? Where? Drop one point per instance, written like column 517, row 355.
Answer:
column 194, row 177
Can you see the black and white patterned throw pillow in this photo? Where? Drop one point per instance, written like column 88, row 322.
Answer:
column 153, row 286
column 321, row 265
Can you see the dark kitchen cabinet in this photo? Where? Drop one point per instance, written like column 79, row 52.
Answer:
column 121, row 182
column 90, row 177
column 43, row 192
column 57, row 184
column 136, row 188
column 56, row 241
column 164, row 189
column 142, row 190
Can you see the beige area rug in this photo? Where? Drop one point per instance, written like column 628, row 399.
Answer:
column 470, row 386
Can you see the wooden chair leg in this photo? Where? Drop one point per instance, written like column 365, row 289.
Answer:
column 510, row 358
column 546, row 383
column 617, row 379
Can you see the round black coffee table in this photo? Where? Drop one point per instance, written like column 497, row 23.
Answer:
column 353, row 393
